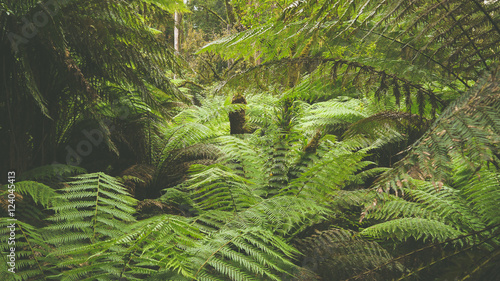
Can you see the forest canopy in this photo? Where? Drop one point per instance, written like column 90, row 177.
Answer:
column 250, row 140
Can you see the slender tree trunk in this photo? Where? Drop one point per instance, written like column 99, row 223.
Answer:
column 231, row 18
column 177, row 32
column 258, row 59
column 231, row 21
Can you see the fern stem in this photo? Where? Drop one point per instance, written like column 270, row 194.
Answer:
column 96, row 206
column 126, row 264
column 302, row 187
column 213, row 13
column 496, row 253
column 425, row 55
column 470, row 39
column 430, row 246
column 443, row 258
column 32, row 251
column 488, row 16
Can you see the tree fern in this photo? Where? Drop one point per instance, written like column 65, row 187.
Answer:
column 379, row 58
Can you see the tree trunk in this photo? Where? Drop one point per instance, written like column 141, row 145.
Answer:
column 177, row 32
column 231, row 18
column 237, row 118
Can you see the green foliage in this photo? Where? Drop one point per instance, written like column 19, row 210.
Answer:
column 31, row 252
column 417, row 228
column 31, row 197
column 95, row 207
column 468, row 128
column 93, row 224
column 39, row 192
column 52, row 172
column 92, row 208
column 268, row 181
column 148, row 244
column 345, row 255
column 175, row 247
column 59, row 75
column 463, row 214
column 216, row 188
column 401, row 53
column 209, row 16
column 334, row 92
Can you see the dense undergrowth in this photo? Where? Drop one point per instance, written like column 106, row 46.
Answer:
column 288, row 140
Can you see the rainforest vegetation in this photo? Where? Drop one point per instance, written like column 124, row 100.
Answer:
column 250, row 140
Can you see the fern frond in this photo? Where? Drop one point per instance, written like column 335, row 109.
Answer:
column 51, row 172
column 241, row 155
column 468, row 128
column 329, row 173
column 438, row 31
column 261, row 248
column 483, row 192
column 387, row 126
column 159, row 242
column 41, row 194
column 418, row 228
column 217, row 188
column 31, row 251
column 332, row 114
column 96, row 207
